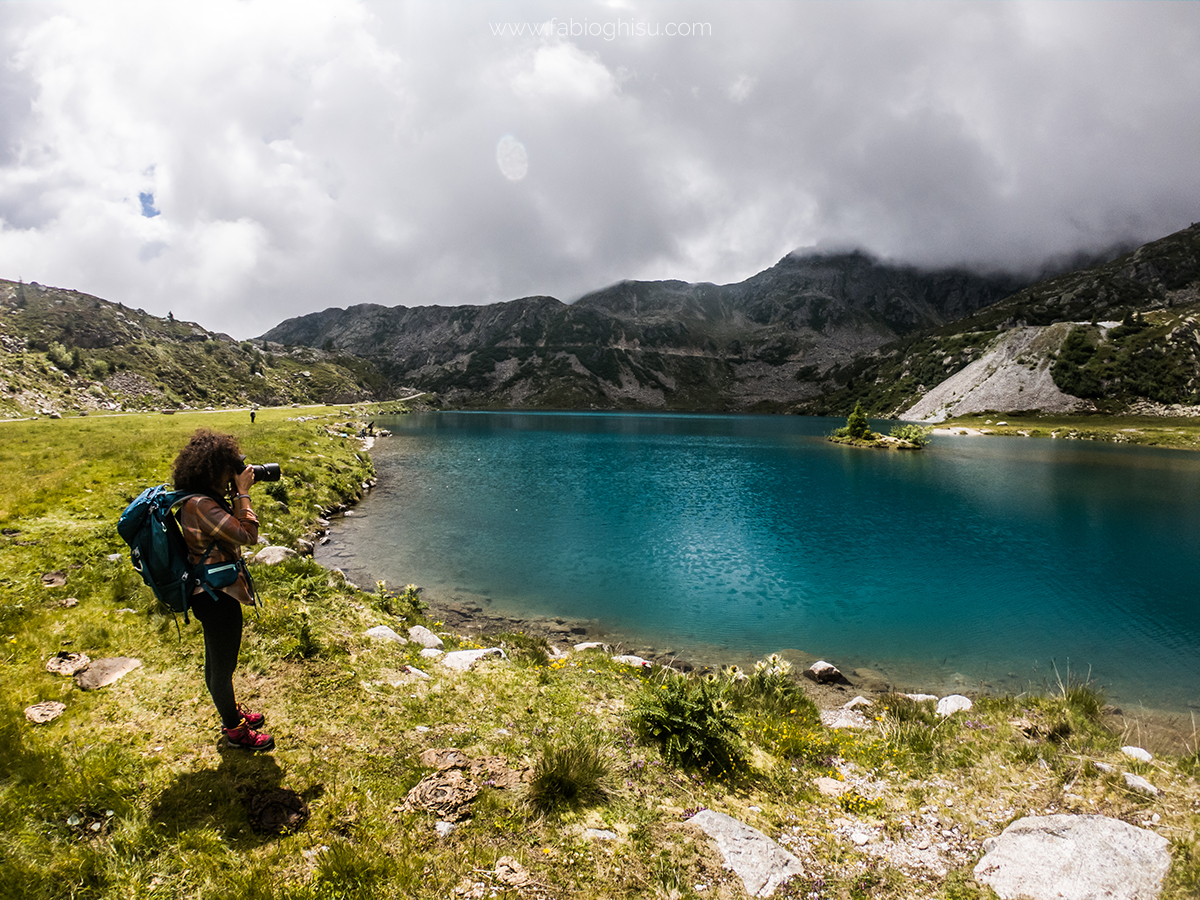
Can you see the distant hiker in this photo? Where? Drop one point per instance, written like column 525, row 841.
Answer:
column 251, row 417
column 215, row 528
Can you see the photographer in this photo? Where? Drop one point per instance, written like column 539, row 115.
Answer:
column 216, row 525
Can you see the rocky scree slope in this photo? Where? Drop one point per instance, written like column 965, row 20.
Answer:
column 1118, row 337
column 62, row 351
column 763, row 344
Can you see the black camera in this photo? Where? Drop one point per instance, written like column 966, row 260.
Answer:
column 266, row 472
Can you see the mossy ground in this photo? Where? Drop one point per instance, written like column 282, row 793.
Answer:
column 351, row 724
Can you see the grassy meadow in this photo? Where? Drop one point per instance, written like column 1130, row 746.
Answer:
column 129, row 794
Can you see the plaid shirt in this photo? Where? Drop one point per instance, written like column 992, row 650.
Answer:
column 204, row 522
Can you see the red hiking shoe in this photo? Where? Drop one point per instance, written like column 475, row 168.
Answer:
column 253, row 719
column 246, row 738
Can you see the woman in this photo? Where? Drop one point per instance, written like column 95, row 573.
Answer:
column 215, row 529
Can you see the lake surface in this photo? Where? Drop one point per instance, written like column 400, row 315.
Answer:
column 975, row 562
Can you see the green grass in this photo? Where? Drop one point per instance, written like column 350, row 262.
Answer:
column 127, row 795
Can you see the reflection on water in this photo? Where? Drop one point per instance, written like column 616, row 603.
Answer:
column 977, row 558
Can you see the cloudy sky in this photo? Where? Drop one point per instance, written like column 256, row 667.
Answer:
column 238, row 163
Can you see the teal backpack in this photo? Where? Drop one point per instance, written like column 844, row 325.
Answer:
column 159, row 553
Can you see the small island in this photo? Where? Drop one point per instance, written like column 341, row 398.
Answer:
column 857, row 433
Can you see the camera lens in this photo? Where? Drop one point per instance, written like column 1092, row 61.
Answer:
column 266, row 472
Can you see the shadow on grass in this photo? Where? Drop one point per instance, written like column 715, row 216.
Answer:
column 243, row 797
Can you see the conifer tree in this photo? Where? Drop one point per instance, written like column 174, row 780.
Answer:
column 856, row 423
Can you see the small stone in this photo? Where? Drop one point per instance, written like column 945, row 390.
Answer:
column 921, row 698
column 443, row 829
column 413, row 670
column 947, row 706
column 69, row 602
column 273, row 555
column 631, row 660
column 384, row 633
column 432, row 653
column 419, row 634
column 462, row 660
column 104, row 672
column 592, row 645
column 823, row 672
column 54, row 579
column 857, row 702
column 63, row 663
column 1137, row 753
column 860, row 838
column 923, row 844
column 46, row 711
column 600, row 834
column 1140, row 784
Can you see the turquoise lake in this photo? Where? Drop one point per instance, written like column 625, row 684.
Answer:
column 975, row 562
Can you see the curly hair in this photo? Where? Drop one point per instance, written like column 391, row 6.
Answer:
column 207, row 457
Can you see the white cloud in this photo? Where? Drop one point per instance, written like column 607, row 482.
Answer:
column 328, row 153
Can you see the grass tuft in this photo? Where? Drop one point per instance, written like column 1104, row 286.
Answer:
column 572, row 773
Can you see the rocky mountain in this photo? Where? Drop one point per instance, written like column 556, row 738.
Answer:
column 765, row 343
column 1118, row 337
column 64, row 352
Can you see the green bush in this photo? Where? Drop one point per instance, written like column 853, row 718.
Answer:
column 916, row 435
column 692, row 721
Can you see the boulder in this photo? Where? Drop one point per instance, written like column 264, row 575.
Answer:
column 948, row 706
column 760, row 862
column 419, row 634
column 1074, row 858
column 824, row 673
column 104, row 672
column 384, row 633
column 273, row 555
column 466, row 659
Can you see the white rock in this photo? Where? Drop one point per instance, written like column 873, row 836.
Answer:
column 1074, row 858
column 592, row 645
column 444, row 828
column 861, row 838
column 948, row 706
column 273, row 555
column 823, row 672
column 421, row 635
column 760, row 862
column 384, row 633
column 413, row 670
column 857, row 702
column 843, row 718
column 1137, row 753
column 1140, row 784
column 631, row 660
column 921, row 698
column 432, row 653
column 466, row 659
column 600, row 834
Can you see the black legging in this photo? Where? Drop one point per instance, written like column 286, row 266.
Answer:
column 222, row 622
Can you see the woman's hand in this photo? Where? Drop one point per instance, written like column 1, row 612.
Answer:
column 242, row 481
